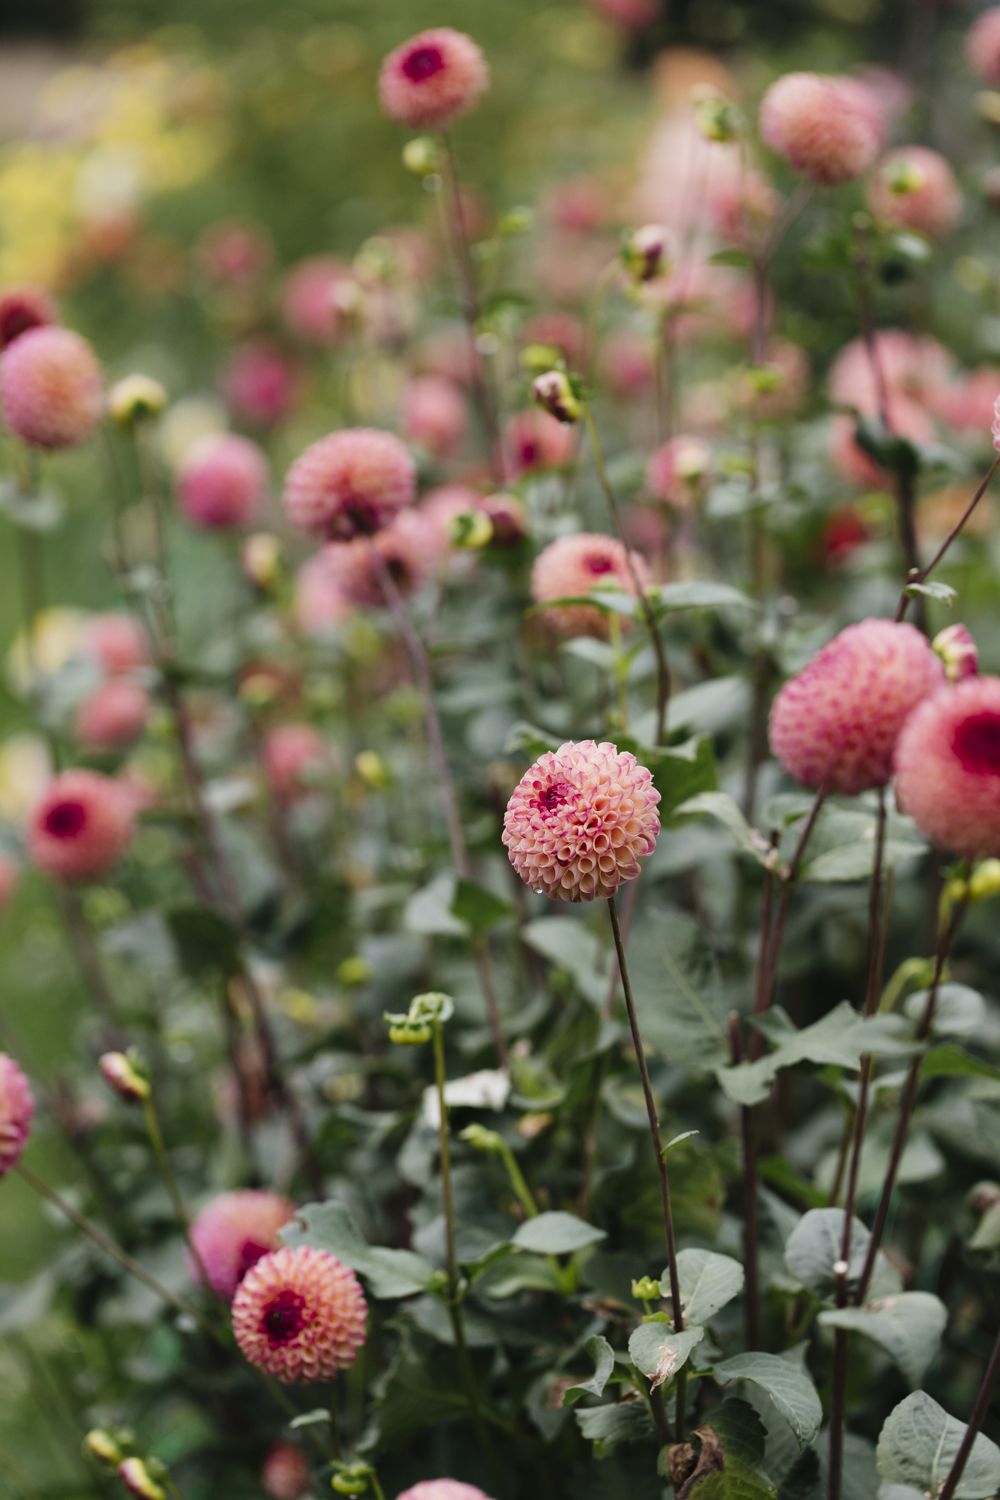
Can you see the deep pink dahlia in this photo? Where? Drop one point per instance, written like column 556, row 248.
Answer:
column 916, row 188
column 81, row 827
column 51, row 388
column 350, row 484
column 579, row 821
column 113, row 715
column 442, row 1489
column 837, row 722
column 234, row 1231
column 534, row 440
column 982, row 46
column 432, row 78
column 948, row 767
column 16, row 1109
column 222, row 481
column 260, row 383
column 575, row 565
column 822, row 126
column 299, row 1315
column 22, row 308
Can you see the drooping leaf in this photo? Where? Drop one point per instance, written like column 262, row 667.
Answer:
column 567, row 942
column 907, row 1326
column 958, row 1010
column 839, row 1039
column 429, row 911
column 721, row 807
column 918, row 1444
column 789, row 1389
column 601, row 1352
column 389, row 1273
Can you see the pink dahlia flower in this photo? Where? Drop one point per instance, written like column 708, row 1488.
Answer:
column 948, row 767
column 959, row 652
column 837, row 722
column 442, row 1489
column 81, row 827
column 982, row 46
column 579, row 821
column 916, row 188
column 51, row 388
column 117, row 641
column 113, row 715
column 432, row 78
column 319, row 603
column 630, row 15
column 234, row 253
column 409, row 549
column 435, row 414
column 294, row 755
column 222, row 482
column 575, row 565
column 912, row 367
column 260, row 384
column 350, row 484
column 285, row 1474
column 17, row 1106
column 679, row 471
column 968, row 402
column 234, row 1231
column 23, row 308
column 823, row 126
column 310, row 299
column 534, row 440
column 908, row 420
column 299, row 1315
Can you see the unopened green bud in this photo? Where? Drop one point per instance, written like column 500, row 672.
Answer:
column 102, row 1446
column 555, row 394
column 126, row 1073
column 354, row 971
column 422, row 157
column 471, row 530
column 717, row 117
column 405, row 1034
column 372, row 769
column 514, row 222
column 482, row 1139
column 644, row 253
column 646, row 1289
column 135, row 398
column 984, row 881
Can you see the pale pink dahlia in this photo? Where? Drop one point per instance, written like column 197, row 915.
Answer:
column 17, row 1106
column 51, row 388
column 534, row 440
column 836, row 723
column 982, row 46
column 948, row 767
column 299, row 1315
column 822, row 126
column 113, row 715
column 81, row 827
column 916, row 188
column 260, row 383
column 222, row 481
column 285, row 1474
column 442, row 1489
column 575, row 565
column 432, row 78
column 311, row 298
column 118, row 641
column 234, row 1231
column 23, row 308
column 294, row 756
column 350, row 484
column 435, row 414
column 679, row 471
column 579, row 821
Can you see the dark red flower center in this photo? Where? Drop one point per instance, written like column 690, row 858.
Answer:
column 423, row 62
column 16, row 318
column 357, row 516
column 976, row 742
column 65, row 820
column 597, row 562
column 284, row 1316
column 250, row 1254
column 554, row 796
column 529, row 453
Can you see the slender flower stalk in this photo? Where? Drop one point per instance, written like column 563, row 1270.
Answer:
column 155, row 1133
column 950, row 1486
column 921, row 575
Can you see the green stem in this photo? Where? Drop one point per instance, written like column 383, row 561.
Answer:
column 170, row 1182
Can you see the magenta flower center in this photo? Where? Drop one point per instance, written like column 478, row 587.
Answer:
column 284, row 1317
column 360, row 514
column 529, row 453
column 250, row 1254
column 555, row 796
column 596, row 562
column 977, row 744
column 66, row 820
column 18, row 317
column 422, row 62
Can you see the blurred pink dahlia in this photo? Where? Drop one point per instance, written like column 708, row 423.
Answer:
column 285, row 1474
column 118, row 641
column 299, row 1315
column 23, row 308
column 222, row 481
column 679, row 471
column 51, row 388
column 435, row 414
column 836, row 723
column 17, row 1105
column 948, row 767
column 534, row 440
column 575, row 565
column 508, row 518
column 433, row 77
column 294, row 755
column 982, row 46
column 311, row 298
column 234, row 1231
column 81, row 827
column 350, row 484
column 442, row 1489
column 579, row 821
column 409, row 549
column 824, row 127
column 234, row 253
column 916, row 188
column 260, row 383
column 113, row 715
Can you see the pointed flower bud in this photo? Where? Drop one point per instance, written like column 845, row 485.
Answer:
column 102, row 1446
column 135, row 1476
column 644, row 253
column 126, row 1073
column 958, row 651
column 554, row 393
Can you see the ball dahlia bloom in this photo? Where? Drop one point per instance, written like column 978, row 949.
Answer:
column 17, row 1106
column 23, row 308
column 293, row 754
column 409, row 550
column 299, row 1314
column 678, row 472
column 310, row 299
column 442, row 1489
column 824, row 127
column 433, row 77
column 435, row 414
column 260, row 384
column 113, row 715
column 917, row 189
column 51, row 388
column 982, row 46
column 533, row 440
column 350, row 484
column 837, row 722
column 948, row 767
column 233, row 1232
column 81, row 827
column 575, row 565
column 222, row 482
column 579, row 821
column 117, row 641
column 285, row 1474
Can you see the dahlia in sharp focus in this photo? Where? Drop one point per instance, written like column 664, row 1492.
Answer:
column 299, row 1315
column 579, row 821
column 575, row 565
column 81, row 827
column 432, row 78
column 16, row 1109
column 23, row 308
column 916, row 188
column 442, row 1489
column 837, row 722
column 222, row 482
column 823, row 126
column 948, row 767
column 982, row 46
column 234, row 1231
column 350, row 484
column 51, row 388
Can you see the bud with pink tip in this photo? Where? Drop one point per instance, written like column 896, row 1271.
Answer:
column 554, row 393
column 837, row 722
column 575, row 565
column 233, row 1232
column 916, row 188
column 23, row 308
column 222, row 482
column 823, row 126
column 644, row 253
column 113, row 715
column 135, row 1476
column 285, row 1474
column 432, row 78
column 299, row 1314
column 948, row 768
column 17, row 1106
column 81, row 827
column 51, row 388
column 507, row 517
column 126, row 1073
column 956, row 648
column 982, row 46
column 350, row 484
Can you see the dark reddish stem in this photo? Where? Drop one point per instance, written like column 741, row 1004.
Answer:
column 975, row 1423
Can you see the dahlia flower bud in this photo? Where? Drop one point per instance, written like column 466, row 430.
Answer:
column 956, row 648
column 261, row 558
column 716, row 117
column 81, row 827
column 646, row 1289
column 51, row 389
column 644, row 253
column 299, row 1315
column 422, row 156
column 127, row 1074
column 234, row 1231
column 554, row 393
column 373, row 770
column 285, row 1474
column 579, row 821
column 135, row 1476
column 948, row 768
column 103, row 1446
column 984, row 882
column 507, row 517
column 575, row 565
column 837, row 722
column 821, row 126
column 17, row 1106
column 916, row 188
column 435, row 76
column 135, row 398
column 23, row 308
column 349, row 484
column 982, row 46
column 113, row 715
column 222, row 482
column 678, row 472
column 442, row 1489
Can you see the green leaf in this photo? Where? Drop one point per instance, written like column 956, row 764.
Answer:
column 958, row 1010
column 556, row 1233
column 987, row 1235
column 735, row 1482
column 788, row 1388
column 855, row 861
column 942, row 592
column 721, row 807
column 907, row 1326
column 659, row 1353
column 813, row 1248
column 708, row 1282
column 22, row 1305
column 607, row 1426
column 603, row 1355
column 429, row 911
column 949, row 1061
column 205, row 942
column 669, row 598
column 918, row 1444
column 389, row 1273
column 681, row 1004
column 566, row 942
column 739, row 1428
column 477, row 908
